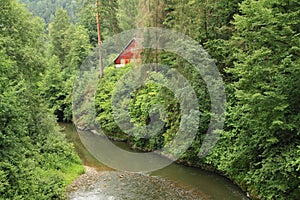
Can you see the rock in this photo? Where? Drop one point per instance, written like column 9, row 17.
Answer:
column 95, row 132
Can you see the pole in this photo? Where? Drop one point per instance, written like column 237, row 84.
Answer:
column 99, row 39
column 156, row 26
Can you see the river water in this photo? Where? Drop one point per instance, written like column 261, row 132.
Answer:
column 172, row 182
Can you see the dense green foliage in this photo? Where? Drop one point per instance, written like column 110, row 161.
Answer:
column 263, row 121
column 46, row 9
column 36, row 162
column 255, row 45
column 108, row 18
column 103, row 104
column 127, row 14
column 67, row 48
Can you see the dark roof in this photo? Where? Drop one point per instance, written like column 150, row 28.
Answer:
column 131, row 41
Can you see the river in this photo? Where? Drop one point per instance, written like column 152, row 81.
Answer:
column 172, row 182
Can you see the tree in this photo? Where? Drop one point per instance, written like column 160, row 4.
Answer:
column 46, row 9
column 108, row 13
column 34, row 154
column 264, row 115
column 68, row 48
column 127, row 14
column 150, row 13
column 58, row 31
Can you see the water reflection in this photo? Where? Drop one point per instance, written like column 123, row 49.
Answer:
column 172, row 182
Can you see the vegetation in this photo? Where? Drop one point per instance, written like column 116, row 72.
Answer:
column 36, row 161
column 255, row 45
column 47, row 9
column 263, row 119
column 67, row 48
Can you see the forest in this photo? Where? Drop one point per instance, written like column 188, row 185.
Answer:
column 255, row 45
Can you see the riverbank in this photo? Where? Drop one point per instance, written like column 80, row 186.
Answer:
column 187, row 178
column 184, row 162
column 94, row 184
column 90, row 175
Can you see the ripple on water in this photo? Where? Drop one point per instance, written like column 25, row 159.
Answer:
column 114, row 185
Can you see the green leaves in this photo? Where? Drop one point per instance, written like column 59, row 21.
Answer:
column 26, row 125
column 46, row 9
column 21, row 39
column 127, row 13
column 103, row 102
column 255, row 45
column 262, row 118
column 68, row 48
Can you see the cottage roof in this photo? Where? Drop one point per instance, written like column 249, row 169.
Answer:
column 126, row 47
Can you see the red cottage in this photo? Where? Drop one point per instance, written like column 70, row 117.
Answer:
column 128, row 55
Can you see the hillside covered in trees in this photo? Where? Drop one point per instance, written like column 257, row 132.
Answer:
column 255, row 45
column 36, row 162
column 46, row 9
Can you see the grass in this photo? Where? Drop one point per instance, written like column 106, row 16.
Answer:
column 72, row 172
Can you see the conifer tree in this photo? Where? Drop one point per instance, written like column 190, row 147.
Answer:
column 265, row 47
column 127, row 14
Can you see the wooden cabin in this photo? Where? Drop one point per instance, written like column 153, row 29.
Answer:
column 128, row 55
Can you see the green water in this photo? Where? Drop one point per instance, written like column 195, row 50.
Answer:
column 172, row 182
